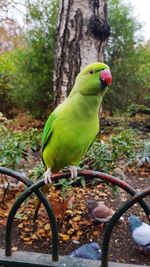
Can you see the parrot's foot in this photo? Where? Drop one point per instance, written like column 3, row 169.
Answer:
column 47, row 176
column 73, row 170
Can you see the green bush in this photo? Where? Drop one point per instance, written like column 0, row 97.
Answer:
column 17, row 146
column 123, row 145
column 6, row 68
column 99, row 157
column 104, row 157
column 133, row 109
column 32, row 80
column 128, row 57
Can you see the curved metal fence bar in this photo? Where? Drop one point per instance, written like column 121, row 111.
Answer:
column 21, row 177
column 34, row 188
column 86, row 173
column 52, row 219
column 109, row 178
column 17, row 175
column 109, row 228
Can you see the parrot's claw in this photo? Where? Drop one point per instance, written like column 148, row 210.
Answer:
column 73, row 170
column 47, row 176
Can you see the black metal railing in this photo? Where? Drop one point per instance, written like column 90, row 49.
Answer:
column 35, row 188
column 115, row 218
column 31, row 188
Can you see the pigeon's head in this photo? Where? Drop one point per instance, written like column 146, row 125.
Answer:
column 96, row 249
column 91, row 204
column 134, row 222
column 95, row 245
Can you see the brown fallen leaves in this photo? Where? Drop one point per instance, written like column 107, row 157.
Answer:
column 70, row 212
column 143, row 171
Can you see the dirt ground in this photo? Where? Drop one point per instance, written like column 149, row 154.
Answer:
column 75, row 225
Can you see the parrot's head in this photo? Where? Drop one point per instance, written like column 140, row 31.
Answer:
column 94, row 79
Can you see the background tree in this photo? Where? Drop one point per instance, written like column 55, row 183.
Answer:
column 32, row 79
column 82, row 31
column 27, row 56
column 10, row 39
column 126, row 55
column 7, row 22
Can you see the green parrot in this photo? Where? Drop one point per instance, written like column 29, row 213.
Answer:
column 72, row 127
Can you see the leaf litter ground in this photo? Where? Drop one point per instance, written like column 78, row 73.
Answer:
column 75, row 225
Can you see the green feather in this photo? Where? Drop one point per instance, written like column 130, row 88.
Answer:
column 47, row 130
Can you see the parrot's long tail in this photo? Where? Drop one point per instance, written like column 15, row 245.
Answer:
column 36, row 210
column 45, row 190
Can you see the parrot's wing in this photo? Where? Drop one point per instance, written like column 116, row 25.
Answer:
column 48, row 129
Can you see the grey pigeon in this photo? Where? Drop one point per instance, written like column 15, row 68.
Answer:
column 89, row 251
column 140, row 232
column 117, row 172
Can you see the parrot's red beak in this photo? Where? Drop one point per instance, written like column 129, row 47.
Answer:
column 105, row 77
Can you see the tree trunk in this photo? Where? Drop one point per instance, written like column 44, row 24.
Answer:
column 82, row 32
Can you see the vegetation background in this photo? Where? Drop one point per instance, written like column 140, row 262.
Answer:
column 27, row 62
column 26, row 81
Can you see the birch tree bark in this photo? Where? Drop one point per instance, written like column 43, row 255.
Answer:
column 82, row 32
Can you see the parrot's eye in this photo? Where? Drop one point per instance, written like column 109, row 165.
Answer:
column 91, row 71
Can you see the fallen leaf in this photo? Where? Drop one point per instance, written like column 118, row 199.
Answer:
column 70, row 231
column 59, row 207
column 20, row 225
column 64, row 237
column 14, row 248
column 40, row 231
column 86, row 222
column 47, row 227
column 29, row 242
column 68, row 212
column 34, row 237
column 96, row 233
column 75, row 226
column 79, row 233
column 26, row 229
column 77, row 218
